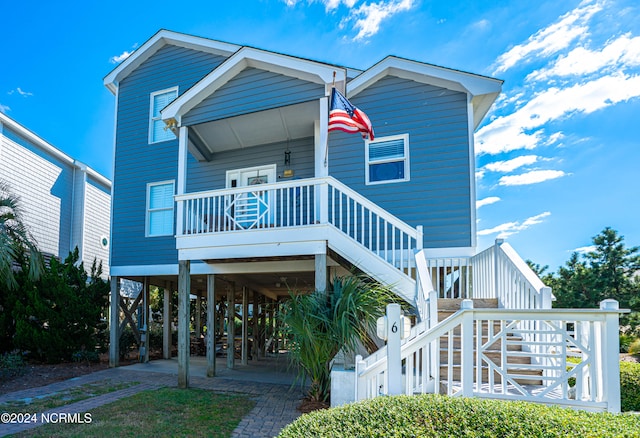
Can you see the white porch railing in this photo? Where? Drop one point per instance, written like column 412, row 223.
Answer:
column 301, row 203
column 497, row 272
column 451, row 358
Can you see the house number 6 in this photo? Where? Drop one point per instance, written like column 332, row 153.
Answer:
column 394, row 328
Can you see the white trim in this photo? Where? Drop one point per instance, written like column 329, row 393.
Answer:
column 153, row 119
column 482, row 90
column 49, row 148
column 452, row 252
column 143, row 270
column 472, row 177
column 407, row 164
column 155, row 43
column 303, row 69
column 147, row 215
column 321, row 136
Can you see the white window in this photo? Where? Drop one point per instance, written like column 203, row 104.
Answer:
column 387, row 159
column 159, row 100
column 160, row 209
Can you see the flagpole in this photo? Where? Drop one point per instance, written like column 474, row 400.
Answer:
column 326, row 147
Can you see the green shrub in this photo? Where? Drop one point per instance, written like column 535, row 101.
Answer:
column 634, row 347
column 630, row 386
column 625, row 343
column 11, row 364
column 435, row 415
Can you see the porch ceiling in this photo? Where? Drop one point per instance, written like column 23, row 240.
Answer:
column 263, row 127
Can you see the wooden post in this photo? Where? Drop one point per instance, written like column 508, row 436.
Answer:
column 321, row 272
column 245, row 326
column 166, row 323
column 147, row 294
column 263, row 317
column 394, row 358
column 184, row 289
column 114, row 326
column 611, row 355
column 254, row 321
column 466, row 358
column 198, row 328
column 231, row 325
column 211, row 326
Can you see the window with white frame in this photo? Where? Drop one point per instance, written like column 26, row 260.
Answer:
column 160, row 208
column 159, row 100
column 387, row 159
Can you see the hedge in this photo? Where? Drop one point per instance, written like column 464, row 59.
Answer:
column 630, row 386
column 432, row 415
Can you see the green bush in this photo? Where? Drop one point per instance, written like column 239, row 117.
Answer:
column 634, row 347
column 11, row 364
column 625, row 343
column 435, row 415
column 630, row 386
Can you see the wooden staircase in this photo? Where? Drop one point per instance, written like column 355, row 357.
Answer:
column 518, row 361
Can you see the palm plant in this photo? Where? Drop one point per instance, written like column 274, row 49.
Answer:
column 321, row 323
column 17, row 246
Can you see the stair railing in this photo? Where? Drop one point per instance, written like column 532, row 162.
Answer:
column 491, row 365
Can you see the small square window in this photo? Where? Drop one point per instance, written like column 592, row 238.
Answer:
column 160, row 209
column 387, row 159
column 159, row 100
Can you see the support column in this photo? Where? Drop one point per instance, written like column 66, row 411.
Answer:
column 263, row 319
column 321, row 272
column 231, row 325
column 184, row 288
column 245, row 326
column 211, row 326
column 114, row 323
column 198, row 315
column 256, row 330
column 166, row 323
column 145, row 312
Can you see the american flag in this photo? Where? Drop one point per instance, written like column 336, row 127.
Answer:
column 343, row 116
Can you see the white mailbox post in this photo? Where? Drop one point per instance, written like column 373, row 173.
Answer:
column 392, row 328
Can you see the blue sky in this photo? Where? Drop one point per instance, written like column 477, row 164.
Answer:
column 557, row 157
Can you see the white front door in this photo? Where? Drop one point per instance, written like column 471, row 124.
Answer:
column 251, row 209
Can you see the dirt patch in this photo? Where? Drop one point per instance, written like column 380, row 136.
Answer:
column 626, row 357
column 34, row 375
column 312, row 405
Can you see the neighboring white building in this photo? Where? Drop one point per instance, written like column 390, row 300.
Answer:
column 64, row 202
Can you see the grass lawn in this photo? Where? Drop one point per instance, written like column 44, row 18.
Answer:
column 161, row 412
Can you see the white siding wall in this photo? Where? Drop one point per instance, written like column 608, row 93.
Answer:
column 97, row 207
column 41, row 186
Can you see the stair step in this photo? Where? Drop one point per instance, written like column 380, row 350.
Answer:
column 520, row 375
column 494, row 355
column 478, row 303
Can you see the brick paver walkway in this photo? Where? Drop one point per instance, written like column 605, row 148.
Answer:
column 275, row 403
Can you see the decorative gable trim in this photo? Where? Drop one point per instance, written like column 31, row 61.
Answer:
column 155, row 43
column 303, row 69
column 481, row 90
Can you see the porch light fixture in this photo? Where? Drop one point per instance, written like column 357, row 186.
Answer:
column 287, row 156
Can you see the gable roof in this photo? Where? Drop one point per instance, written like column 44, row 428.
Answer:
column 304, row 69
column 481, row 90
column 155, row 43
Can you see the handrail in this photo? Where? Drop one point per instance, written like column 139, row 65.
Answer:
column 434, row 360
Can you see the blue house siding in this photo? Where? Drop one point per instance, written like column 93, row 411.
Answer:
column 438, row 195
column 212, row 175
column 137, row 162
column 250, row 91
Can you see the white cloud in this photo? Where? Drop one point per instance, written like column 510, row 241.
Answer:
column 21, row 92
column 552, row 39
column 369, row 15
column 4, row 108
column 621, row 52
column 584, row 249
column 533, row 177
column 510, row 228
column 119, row 58
column 522, row 129
column 511, row 165
column 487, row 201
